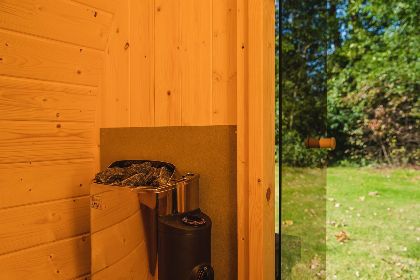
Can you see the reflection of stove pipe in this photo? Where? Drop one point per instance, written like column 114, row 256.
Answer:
column 179, row 196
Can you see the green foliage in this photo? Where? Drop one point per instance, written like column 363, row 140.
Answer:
column 294, row 153
column 373, row 87
column 371, row 75
column 303, row 83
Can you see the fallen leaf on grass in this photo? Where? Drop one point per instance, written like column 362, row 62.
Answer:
column 362, row 198
column 342, row 236
column 315, row 262
column 287, row 223
column 373, row 193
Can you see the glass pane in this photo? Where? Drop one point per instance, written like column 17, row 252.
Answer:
column 303, row 96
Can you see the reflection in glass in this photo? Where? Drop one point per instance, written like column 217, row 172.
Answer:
column 303, row 114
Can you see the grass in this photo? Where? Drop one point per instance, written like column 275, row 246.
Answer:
column 378, row 209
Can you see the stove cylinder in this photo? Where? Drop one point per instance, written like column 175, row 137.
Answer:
column 184, row 247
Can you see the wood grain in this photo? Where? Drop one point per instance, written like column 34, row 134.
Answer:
column 24, row 99
column 115, row 104
column 167, row 63
column 224, row 62
column 57, row 20
column 64, row 259
column 142, row 89
column 24, row 183
column 105, row 5
column 242, row 141
column 195, row 63
column 258, row 125
column 31, row 141
column 117, row 241
column 131, row 266
column 28, row 226
column 30, row 57
column 112, row 210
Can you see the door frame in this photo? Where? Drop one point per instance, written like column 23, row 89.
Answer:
column 255, row 138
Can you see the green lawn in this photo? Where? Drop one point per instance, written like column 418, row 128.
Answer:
column 378, row 209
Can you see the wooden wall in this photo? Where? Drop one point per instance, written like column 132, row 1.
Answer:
column 51, row 70
column 117, row 235
column 177, row 67
column 69, row 67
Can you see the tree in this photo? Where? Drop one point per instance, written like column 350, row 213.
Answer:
column 373, row 82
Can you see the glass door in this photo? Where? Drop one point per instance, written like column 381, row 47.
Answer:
column 302, row 122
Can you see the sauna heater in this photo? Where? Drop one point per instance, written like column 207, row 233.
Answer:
column 178, row 233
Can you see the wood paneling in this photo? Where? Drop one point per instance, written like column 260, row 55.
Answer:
column 64, row 259
column 112, row 210
column 182, row 64
column 28, row 183
column 256, row 139
column 32, row 141
column 167, row 60
column 57, row 20
column 31, row 57
column 116, row 98
column 32, row 225
column 131, row 266
column 195, row 61
column 105, row 5
column 24, row 99
column 117, row 241
column 224, row 62
column 242, row 141
column 118, row 238
column 51, row 67
column 142, row 88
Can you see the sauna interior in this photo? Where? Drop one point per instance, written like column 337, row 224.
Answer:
column 72, row 71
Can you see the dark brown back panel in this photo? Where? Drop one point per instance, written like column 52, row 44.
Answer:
column 207, row 150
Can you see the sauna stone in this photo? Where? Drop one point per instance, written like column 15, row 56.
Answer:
column 143, row 174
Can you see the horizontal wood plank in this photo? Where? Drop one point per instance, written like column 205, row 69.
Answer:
column 25, row 99
column 30, row 57
column 30, row 141
column 28, row 226
column 66, row 259
column 132, row 266
column 114, row 206
column 105, row 5
column 114, row 243
column 57, row 20
column 24, row 183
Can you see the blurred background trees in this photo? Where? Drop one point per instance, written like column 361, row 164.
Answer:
column 363, row 55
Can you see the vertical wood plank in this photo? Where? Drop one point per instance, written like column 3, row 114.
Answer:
column 167, row 61
column 268, row 121
column 256, row 139
column 142, row 90
column 242, row 140
column 224, row 62
column 116, row 97
column 196, row 61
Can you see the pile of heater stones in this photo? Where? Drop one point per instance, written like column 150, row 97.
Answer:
column 135, row 175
